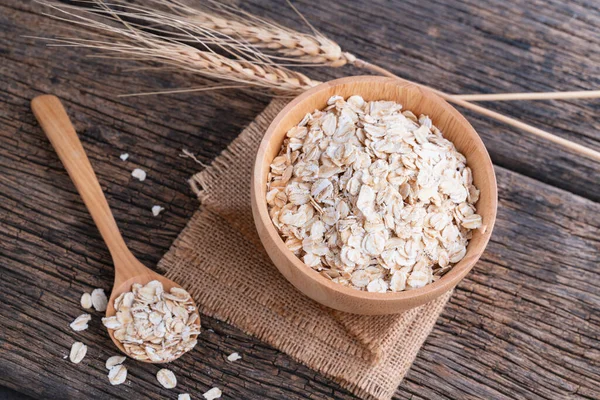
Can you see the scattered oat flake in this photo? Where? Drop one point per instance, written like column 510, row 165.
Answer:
column 212, row 394
column 139, row 174
column 99, row 300
column 234, row 357
column 166, row 378
column 124, row 156
column 78, row 351
column 81, row 323
column 184, row 396
column 114, row 360
column 117, row 374
column 157, row 210
column 86, row 301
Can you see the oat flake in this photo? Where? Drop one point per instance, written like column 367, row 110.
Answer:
column 99, row 300
column 117, row 374
column 114, row 360
column 166, row 378
column 157, row 210
column 86, row 301
column 78, row 352
column 139, row 174
column 212, row 394
column 81, row 323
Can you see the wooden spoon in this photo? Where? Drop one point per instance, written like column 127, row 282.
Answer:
column 128, row 270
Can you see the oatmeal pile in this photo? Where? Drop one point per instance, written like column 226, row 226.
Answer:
column 372, row 196
column 153, row 324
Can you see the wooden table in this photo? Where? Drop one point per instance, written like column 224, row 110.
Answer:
column 525, row 323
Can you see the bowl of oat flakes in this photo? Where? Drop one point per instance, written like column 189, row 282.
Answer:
column 373, row 195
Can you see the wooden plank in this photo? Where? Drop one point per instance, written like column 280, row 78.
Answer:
column 524, row 324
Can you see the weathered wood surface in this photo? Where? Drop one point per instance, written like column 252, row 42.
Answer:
column 524, row 324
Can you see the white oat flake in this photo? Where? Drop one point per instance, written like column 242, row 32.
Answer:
column 166, row 378
column 139, row 174
column 124, row 156
column 86, row 301
column 234, row 357
column 157, row 210
column 212, row 394
column 81, row 323
column 183, row 396
column 114, row 360
column 99, row 300
column 111, row 322
column 117, row 374
column 78, row 352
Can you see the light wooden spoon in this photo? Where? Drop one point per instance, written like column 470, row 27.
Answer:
column 128, row 270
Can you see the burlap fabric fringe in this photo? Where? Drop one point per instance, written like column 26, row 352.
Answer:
column 219, row 259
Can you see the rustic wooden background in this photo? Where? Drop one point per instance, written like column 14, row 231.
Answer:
column 524, row 324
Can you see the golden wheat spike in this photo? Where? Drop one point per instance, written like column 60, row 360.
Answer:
column 293, row 45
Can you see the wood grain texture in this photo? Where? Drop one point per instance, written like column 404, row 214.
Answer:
column 524, row 324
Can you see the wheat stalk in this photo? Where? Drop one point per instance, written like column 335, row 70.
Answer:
column 577, row 94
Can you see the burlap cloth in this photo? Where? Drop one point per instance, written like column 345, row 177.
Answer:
column 219, row 259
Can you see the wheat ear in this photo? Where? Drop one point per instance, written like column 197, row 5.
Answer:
column 301, row 47
column 216, row 66
column 232, row 22
column 291, row 45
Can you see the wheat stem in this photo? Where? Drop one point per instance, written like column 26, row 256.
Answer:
column 184, row 90
column 578, row 94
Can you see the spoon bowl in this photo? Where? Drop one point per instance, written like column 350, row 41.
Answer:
column 55, row 122
column 137, row 273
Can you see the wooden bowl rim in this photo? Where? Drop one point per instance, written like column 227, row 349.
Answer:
column 442, row 285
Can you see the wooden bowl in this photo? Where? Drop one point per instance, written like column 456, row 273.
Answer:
column 420, row 101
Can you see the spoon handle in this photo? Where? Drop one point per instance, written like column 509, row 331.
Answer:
column 55, row 122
